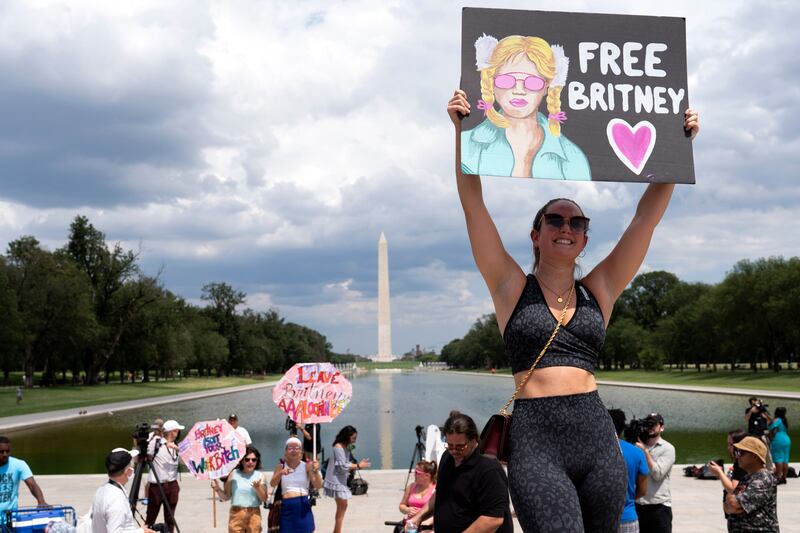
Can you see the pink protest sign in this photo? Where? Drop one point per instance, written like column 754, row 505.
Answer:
column 311, row 393
column 211, row 449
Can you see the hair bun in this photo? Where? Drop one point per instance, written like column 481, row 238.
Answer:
column 454, row 413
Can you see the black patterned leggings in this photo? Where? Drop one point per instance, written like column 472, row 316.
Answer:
column 565, row 471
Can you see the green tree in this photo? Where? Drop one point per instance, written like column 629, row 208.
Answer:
column 222, row 303
column 119, row 290
column 624, row 341
column 645, row 301
column 53, row 305
column 9, row 325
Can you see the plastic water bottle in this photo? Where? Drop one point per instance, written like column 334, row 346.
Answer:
column 411, row 528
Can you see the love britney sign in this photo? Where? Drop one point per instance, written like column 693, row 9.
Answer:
column 575, row 96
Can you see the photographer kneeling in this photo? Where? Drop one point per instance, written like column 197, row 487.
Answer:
column 111, row 510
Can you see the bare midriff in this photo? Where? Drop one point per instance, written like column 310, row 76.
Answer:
column 555, row 381
column 290, row 495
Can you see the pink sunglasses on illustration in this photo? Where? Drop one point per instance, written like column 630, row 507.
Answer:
column 509, row 80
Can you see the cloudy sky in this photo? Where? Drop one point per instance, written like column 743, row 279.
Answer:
column 268, row 143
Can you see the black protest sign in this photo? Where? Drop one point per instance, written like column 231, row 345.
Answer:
column 575, row 96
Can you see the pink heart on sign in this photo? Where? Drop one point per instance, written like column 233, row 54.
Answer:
column 633, row 145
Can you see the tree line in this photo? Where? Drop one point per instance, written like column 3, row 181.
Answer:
column 751, row 317
column 88, row 310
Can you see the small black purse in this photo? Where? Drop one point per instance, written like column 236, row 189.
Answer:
column 357, row 485
column 496, row 433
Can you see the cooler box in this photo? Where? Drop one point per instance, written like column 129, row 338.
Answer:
column 35, row 519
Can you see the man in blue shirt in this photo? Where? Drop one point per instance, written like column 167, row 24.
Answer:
column 12, row 471
column 637, row 475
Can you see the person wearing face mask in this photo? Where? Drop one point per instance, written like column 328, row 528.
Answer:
column 339, row 468
column 111, row 510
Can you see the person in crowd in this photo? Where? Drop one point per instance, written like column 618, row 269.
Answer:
column 339, row 467
column 156, row 429
column 420, row 491
column 638, row 472
column 729, row 483
column 780, row 443
column 12, row 471
column 233, row 420
column 754, row 416
column 654, row 509
column 295, row 476
column 308, row 440
column 164, row 472
column 752, row 506
column 549, row 477
column 111, row 510
column 471, row 489
column 247, row 490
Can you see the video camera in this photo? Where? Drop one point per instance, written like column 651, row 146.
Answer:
column 762, row 407
column 291, row 426
column 638, row 429
column 141, row 435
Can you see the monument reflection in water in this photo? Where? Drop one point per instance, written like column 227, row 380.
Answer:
column 385, row 409
column 385, row 420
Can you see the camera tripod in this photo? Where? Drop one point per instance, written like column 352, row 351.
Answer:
column 418, row 454
column 141, row 460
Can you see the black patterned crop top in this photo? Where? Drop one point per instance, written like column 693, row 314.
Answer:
column 577, row 343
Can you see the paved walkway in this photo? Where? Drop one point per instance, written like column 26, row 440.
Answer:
column 48, row 417
column 697, row 505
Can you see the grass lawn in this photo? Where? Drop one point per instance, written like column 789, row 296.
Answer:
column 66, row 397
column 786, row 380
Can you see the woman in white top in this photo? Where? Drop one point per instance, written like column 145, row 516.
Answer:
column 295, row 476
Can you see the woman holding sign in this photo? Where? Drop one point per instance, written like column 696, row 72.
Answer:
column 565, row 469
column 295, row 476
column 246, row 488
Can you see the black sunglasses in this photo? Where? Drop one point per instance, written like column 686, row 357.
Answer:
column 554, row 220
column 250, row 459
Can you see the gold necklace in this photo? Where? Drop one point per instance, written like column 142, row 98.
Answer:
column 559, row 297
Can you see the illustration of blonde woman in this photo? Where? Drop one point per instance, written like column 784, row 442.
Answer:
column 517, row 74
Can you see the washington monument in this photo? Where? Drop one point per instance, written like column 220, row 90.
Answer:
column 384, row 314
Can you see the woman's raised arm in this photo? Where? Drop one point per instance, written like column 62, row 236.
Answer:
column 610, row 277
column 499, row 270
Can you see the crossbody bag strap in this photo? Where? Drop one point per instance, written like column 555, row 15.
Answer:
column 541, row 354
